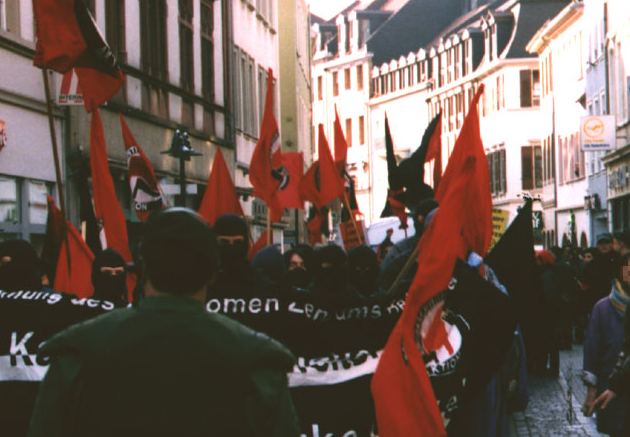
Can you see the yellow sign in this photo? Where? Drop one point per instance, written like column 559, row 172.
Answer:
column 500, row 218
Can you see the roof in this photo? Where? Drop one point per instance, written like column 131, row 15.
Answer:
column 412, row 27
column 532, row 16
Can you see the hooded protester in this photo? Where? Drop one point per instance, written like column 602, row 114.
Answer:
column 299, row 264
column 268, row 263
column 602, row 345
column 20, row 268
column 235, row 276
column 109, row 277
column 330, row 285
column 422, row 213
column 363, row 271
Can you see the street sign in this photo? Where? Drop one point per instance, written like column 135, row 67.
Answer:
column 173, row 190
column 597, row 132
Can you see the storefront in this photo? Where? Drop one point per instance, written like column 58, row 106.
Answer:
column 618, row 171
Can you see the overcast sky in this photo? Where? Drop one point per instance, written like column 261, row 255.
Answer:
column 327, row 8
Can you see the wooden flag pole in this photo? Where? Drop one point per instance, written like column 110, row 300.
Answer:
column 268, row 225
column 354, row 221
column 53, row 138
column 404, row 270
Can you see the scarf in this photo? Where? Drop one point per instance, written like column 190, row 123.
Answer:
column 619, row 298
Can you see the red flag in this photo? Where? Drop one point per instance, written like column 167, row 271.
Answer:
column 478, row 226
column 108, row 212
column 309, row 185
column 55, row 229
column 258, row 245
column 403, row 395
column 292, row 170
column 341, row 145
column 75, row 278
column 434, row 151
column 331, row 184
column 314, row 227
column 266, row 159
column 220, row 196
column 145, row 190
column 67, row 37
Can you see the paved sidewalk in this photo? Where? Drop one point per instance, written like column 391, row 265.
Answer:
column 555, row 404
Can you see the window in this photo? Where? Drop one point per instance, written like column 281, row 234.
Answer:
column 359, row 77
column 245, row 106
column 10, row 16
column 115, row 28
column 531, row 167
column 207, row 61
column 319, row 88
column 361, row 130
column 572, row 159
column 530, row 88
column 23, row 209
column 349, row 131
column 497, row 173
column 186, row 61
column 335, row 77
column 262, row 91
column 153, row 55
column 500, row 94
column 347, row 82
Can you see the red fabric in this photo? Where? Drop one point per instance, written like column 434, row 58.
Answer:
column 60, row 42
column 341, row 145
column 106, row 207
column 397, row 207
column 403, row 395
column 289, row 195
column 314, row 227
column 478, row 225
column 77, row 278
column 331, row 185
column 258, row 245
column 434, row 151
column 54, row 224
column 220, row 196
column 308, row 185
column 267, row 157
column 545, row 257
column 67, row 37
column 97, row 87
column 141, row 174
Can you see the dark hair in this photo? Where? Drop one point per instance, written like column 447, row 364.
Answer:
column 179, row 251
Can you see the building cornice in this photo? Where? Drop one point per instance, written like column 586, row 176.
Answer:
column 16, row 45
column 555, row 26
column 28, row 103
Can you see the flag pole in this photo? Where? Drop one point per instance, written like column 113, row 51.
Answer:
column 268, row 225
column 404, row 270
column 53, row 138
column 346, row 201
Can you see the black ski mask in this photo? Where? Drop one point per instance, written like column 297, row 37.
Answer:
column 330, row 269
column 269, row 263
column 232, row 236
column 109, row 276
column 299, row 275
column 363, row 270
column 20, row 268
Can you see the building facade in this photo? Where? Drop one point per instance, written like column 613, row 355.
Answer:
column 560, row 47
column 24, row 133
column 617, row 162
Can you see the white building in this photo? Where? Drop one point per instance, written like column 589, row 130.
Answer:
column 560, row 45
column 26, row 170
column 617, row 16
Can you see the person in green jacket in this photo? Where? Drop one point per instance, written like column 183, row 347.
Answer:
column 166, row 368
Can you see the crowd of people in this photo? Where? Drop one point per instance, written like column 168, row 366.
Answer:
column 138, row 363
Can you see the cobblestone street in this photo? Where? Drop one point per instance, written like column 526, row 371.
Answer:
column 555, row 404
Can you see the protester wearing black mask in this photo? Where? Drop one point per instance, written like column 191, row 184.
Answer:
column 235, row 276
column 330, row 285
column 109, row 277
column 363, row 271
column 299, row 262
column 19, row 266
column 269, row 265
